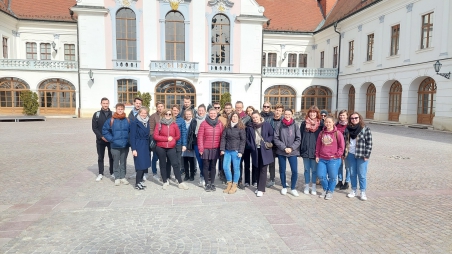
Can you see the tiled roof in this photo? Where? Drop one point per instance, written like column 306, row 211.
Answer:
column 51, row 10
column 344, row 8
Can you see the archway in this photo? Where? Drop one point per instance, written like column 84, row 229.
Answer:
column 370, row 101
column 351, row 100
column 56, row 96
column 281, row 94
column 172, row 92
column 320, row 96
column 426, row 101
column 10, row 102
column 395, row 101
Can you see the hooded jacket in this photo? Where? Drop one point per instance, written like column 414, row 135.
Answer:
column 287, row 137
column 330, row 144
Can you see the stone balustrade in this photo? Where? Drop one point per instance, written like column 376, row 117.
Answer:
column 300, row 72
column 44, row 65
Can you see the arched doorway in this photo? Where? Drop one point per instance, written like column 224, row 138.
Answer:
column 281, row 94
column 370, row 101
column 172, row 92
column 56, row 96
column 426, row 101
column 10, row 89
column 316, row 95
column 395, row 101
column 351, row 100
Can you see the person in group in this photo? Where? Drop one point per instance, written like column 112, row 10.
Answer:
column 341, row 126
column 274, row 122
column 323, row 114
column 287, row 140
column 188, row 105
column 181, row 143
column 310, row 129
column 116, row 131
column 154, row 119
column 224, row 116
column 239, row 109
column 246, row 157
column 328, row 154
column 166, row 134
column 257, row 136
column 232, row 146
column 188, row 156
column 359, row 147
column 209, row 136
column 137, row 102
column 98, row 121
column 221, row 175
column 200, row 117
column 266, row 112
column 139, row 142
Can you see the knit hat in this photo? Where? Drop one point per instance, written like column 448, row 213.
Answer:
column 323, row 111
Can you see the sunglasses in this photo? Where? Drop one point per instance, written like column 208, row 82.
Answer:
column 168, row 114
column 323, row 115
column 266, row 106
column 354, row 118
column 216, row 107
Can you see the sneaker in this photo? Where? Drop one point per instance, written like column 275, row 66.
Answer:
column 133, row 176
column 212, row 187
column 241, row 186
column 363, row 196
column 202, row 182
column 156, row 177
column 165, row 185
column 313, row 190
column 208, row 188
column 142, row 184
column 339, row 185
column 112, row 176
column 283, row 191
column 124, row 181
column 295, row 193
column 145, row 176
column 139, row 186
column 323, row 195
column 255, row 192
column 186, row 178
column 345, row 186
column 183, row 186
column 255, row 185
column 306, row 189
column 247, row 185
column 352, row 194
column 117, row 182
column 270, row 183
column 99, row 177
column 259, row 194
column 329, row 196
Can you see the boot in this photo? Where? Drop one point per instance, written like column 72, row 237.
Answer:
column 228, row 188
column 317, row 182
column 345, row 186
column 233, row 188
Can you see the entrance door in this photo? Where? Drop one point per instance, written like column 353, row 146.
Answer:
column 426, row 101
column 370, row 101
column 395, row 101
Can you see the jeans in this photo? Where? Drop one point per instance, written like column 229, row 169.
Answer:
column 228, row 156
column 168, row 155
column 328, row 167
column 293, row 167
column 358, row 171
column 341, row 171
column 310, row 167
column 119, row 161
column 101, row 145
column 155, row 158
column 199, row 159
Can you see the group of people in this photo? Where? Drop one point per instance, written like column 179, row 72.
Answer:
column 246, row 143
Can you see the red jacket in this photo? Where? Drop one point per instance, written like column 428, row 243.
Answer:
column 165, row 131
column 208, row 136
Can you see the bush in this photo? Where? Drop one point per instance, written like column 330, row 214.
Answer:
column 30, row 100
column 226, row 97
column 146, row 99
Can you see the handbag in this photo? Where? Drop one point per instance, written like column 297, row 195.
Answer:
column 152, row 142
column 268, row 145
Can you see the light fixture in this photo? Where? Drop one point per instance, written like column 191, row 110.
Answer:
column 91, row 75
column 285, row 56
column 437, row 67
column 54, row 47
column 251, row 80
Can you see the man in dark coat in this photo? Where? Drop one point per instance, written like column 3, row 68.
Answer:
column 98, row 121
column 187, row 105
column 137, row 102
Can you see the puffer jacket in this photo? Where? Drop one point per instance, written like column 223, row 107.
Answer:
column 209, row 137
column 162, row 133
column 287, row 137
column 233, row 139
column 183, row 131
column 118, row 133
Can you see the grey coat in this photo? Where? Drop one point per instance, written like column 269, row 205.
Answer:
column 287, row 137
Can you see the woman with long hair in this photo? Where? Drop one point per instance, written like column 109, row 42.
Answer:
column 341, row 126
column 139, row 142
column 188, row 155
column 246, row 157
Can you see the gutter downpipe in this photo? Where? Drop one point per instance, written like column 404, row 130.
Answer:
column 338, row 67
column 262, row 67
column 78, row 72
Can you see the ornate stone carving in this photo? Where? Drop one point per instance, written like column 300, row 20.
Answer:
column 221, row 5
column 360, row 28
column 174, row 3
column 56, row 36
column 15, row 33
column 409, row 7
column 328, row 41
column 125, row 3
column 382, row 18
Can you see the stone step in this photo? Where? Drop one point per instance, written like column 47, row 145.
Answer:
column 389, row 123
column 420, row 126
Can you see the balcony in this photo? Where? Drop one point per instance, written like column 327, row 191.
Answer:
column 174, row 68
column 289, row 72
column 222, row 68
column 126, row 64
column 37, row 65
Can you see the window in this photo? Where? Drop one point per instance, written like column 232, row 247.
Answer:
column 46, row 50
column 220, row 39
column 56, row 96
column 175, row 36
column 31, row 50
column 127, row 90
column 292, row 62
column 395, row 31
column 126, row 35
column 271, row 60
column 69, row 52
column 303, row 60
column 351, row 100
column 370, row 47
column 219, row 88
column 427, row 31
column 281, row 94
column 316, row 95
column 350, row 52
column 322, row 59
column 172, row 92
column 10, row 89
column 264, row 59
column 5, row 47
column 335, row 57
column 370, row 101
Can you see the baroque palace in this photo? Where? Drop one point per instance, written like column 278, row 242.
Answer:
column 372, row 56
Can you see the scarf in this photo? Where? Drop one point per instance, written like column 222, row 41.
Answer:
column 233, row 124
column 187, row 124
column 343, row 122
column 143, row 121
column 257, row 125
column 354, row 130
column 267, row 114
column 312, row 125
column 199, row 120
column 166, row 121
column 286, row 122
column 212, row 122
column 119, row 116
column 242, row 114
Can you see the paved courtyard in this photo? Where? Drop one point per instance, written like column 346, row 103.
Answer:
column 50, row 202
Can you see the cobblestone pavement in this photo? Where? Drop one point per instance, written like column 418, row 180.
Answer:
column 51, row 203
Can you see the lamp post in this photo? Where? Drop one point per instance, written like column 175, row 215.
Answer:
column 437, row 67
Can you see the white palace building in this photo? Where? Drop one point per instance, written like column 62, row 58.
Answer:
column 372, row 56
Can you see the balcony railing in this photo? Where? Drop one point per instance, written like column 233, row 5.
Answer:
column 40, row 65
column 220, row 67
column 126, row 64
column 174, row 68
column 300, row 72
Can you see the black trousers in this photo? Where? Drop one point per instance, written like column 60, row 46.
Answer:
column 210, row 169
column 168, row 156
column 189, row 163
column 179, row 156
column 139, row 178
column 271, row 167
column 100, row 146
column 262, row 169
column 245, row 164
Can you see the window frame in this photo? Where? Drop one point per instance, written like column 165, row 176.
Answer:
column 302, row 60
column 130, row 95
column 34, row 54
column 395, row 40
column 69, row 55
column 351, row 48
column 271, row 59
column 370, row 46
column 427, row 27
column 221, row 43
column 174, row 43
column 223, row 87
column 292, row 60
column 5, row 47
column 130, row 42
column 322, row 59
column 45, row 55
column 335, row 56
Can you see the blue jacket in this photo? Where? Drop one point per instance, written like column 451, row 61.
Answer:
column 139, row 141
column 118, row 133
column 183, row 131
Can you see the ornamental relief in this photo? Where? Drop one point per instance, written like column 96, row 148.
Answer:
column 221, row 6
column 125, row 3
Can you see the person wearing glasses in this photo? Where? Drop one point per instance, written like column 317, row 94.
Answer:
column 166, row 134
column 266, row 112
column 323, row 114
column 224, row 116
column 357, row 153
column 200, row 117
column 154, row 120
column 139, row 142
column 181, row 144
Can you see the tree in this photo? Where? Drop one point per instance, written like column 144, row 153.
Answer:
column 226, row 97
column 146, row 98
column 30, row 100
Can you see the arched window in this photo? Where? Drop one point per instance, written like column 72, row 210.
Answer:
column 370, row 101
column 10, row 89
column 316, row 95
column 220, row 39
column 56, row 96
column 395, row 101
column 219, row 88
column 175, row 36
column 351, row 100
column 126, row 35
column 281, row 94
column 127, row 90
column 172, row 92
column 426, row 101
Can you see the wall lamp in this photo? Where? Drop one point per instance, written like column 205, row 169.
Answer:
column 437, row 67
column 91, row 75
column 285, row 56
column 54, row 47
column 251, row 80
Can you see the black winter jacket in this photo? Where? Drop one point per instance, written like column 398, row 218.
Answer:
column 98, row 122
column 309, row 140
column 192, row 140
column 233, row 139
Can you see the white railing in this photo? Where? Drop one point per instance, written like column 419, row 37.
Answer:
column 174, row 66
column 220, row 67
column 300, row 72
column 126, row 64
column 45, row 65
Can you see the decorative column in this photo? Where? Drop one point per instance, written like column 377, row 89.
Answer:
column 406, row 39
column 378, row 42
